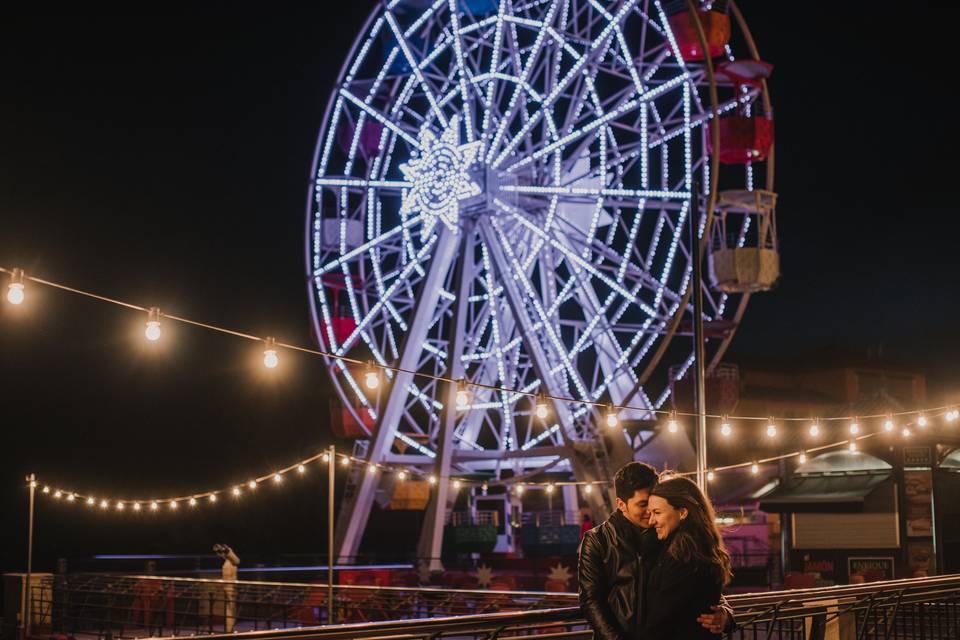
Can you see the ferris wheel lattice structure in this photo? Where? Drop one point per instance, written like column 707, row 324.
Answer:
column 501, row 192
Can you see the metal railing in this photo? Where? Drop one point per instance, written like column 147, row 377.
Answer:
column 108, row 606
column 927, row 608
column 112, row 606
column 548, row 624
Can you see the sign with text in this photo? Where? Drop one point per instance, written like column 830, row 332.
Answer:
column 870, row 569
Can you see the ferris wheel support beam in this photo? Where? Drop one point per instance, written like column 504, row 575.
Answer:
column 355, row 511
column 541, row 364
column 431, row 535
column 606, row 345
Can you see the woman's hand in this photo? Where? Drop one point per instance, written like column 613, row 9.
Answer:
column 716, row 622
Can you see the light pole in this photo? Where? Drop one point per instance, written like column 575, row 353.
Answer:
column 27, row 617
column 699, row 394
column 331, row 470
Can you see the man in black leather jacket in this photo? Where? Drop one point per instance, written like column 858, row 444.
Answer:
column 614, row 557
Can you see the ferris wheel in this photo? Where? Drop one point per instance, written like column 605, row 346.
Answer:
column 502, row 194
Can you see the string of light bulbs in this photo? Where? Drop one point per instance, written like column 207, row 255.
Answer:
column 16, row 294
column 511, row 485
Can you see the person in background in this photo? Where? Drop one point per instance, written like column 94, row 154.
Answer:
column 615, row 557
column 691, row 569
column 586, row 522
column 229, row 574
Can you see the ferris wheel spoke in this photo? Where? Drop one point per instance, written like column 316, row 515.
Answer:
column 532, row 59
column 569, row 193
column 462, row 69
column 573, row 136
column 415, row 66
column 378, row 241
column 511, row 272
column 573, row 256
column 362, row 183
column 380, row 117
column 589, row 57
column 377, row 307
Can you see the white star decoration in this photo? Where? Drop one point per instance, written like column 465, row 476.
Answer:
column 560, row 573
column 484, row 576
column 440, row 177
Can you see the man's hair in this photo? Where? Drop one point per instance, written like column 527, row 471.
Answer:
column 632, row 477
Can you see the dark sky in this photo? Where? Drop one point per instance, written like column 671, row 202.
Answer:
column 164, row 159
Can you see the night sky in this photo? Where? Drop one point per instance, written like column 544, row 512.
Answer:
column 164, row 160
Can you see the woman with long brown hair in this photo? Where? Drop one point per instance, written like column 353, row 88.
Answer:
column 692, row 567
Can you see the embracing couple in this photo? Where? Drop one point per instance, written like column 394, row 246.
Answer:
column 655, row 569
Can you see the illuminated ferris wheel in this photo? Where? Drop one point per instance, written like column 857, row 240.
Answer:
column 502, row 194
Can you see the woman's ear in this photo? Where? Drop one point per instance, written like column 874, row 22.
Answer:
column 683, row 513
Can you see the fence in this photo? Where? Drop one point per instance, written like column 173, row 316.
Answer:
column 136, row 606
column 111, row 606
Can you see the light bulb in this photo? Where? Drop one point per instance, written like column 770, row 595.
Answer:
column 456, row 484
column 301, row 468
column 672, row 425
column 432, row 479
column 802, row 458
column 213, row 497
column 371, row 377
column 277, row 478
column 57, row 494
column 344, row 461
column 612, row 419
column 888, row 424
column 814, row 429
column 154, row 506
column 252, row 485
column 771, row 430
column 588, row 488
column 152, row 332
column 120, row 506
column 402, row 475
column 15, row 290
column 174, row 505
column 463, row 396
column 921, row 420
column 854, row 428
column 236, row 491
column 71, row 497
column 136, row 506
column 90, row 501
column 725, row 429
column 46, row 489
column 852, row 446
column 15, row 294
column 905, row 433
column 193, row 502
column 270, row 357
column 326, row 457
column 541, row 409
column 372, row 468
column 549, row 488
column 710, row 476
column 519, row 489
column 104, row 504
column 755, row 468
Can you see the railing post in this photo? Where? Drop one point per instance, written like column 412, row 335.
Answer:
column 833, row 623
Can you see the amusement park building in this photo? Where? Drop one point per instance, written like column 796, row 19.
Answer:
column 843, row 516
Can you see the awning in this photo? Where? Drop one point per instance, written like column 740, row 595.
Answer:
column 821, row 493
